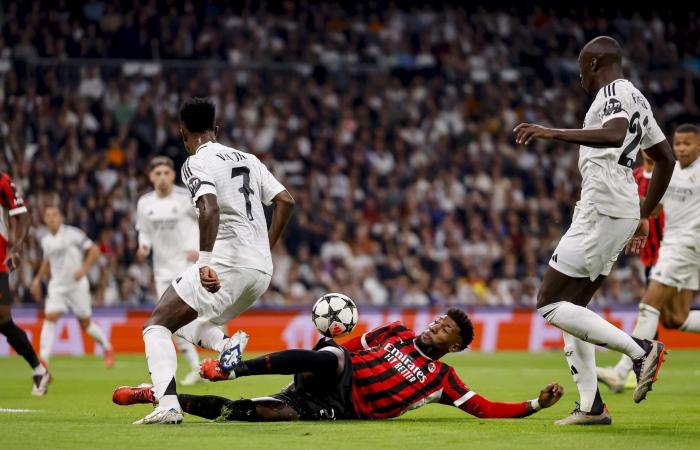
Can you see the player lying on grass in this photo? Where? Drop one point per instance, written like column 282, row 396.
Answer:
column 380, row 375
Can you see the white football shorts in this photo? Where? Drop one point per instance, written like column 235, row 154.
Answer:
column 590, row 246
column 678, row 266
column 240, row 288
column 76, row 299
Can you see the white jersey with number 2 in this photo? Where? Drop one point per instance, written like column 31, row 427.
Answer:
column 608, row 182
column 242, row 185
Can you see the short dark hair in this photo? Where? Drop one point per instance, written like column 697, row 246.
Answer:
column 466, row 329
column 197, row 114
column 160, row 161
column 687, row 128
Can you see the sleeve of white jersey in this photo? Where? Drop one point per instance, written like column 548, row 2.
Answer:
column 142, row 226
column 80, row 239
column 269, row 186
column 197, row 179
column 653, row 134
column 615, row 103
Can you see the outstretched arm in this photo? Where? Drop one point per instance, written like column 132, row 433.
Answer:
column 480, row 407
column 611, row 134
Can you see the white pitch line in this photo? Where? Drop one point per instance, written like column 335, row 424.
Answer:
column 10, row 410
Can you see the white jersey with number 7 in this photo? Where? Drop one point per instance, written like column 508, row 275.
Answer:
column 242, row 185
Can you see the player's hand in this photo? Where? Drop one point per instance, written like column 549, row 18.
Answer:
column 11, row 259
column 209, row 279
column 550, row 394
column 79, row 274
column 528, row 132
column 192, row 255
column 141, row 253
column 639, row 239
column 35, row 290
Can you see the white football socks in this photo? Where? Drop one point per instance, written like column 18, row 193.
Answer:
column 48, row 334
column 580, row 356
column 162, row 362
column 692, row 323
column 98, row 335
column 645, row 328
column 205, row 334
column 39, row 370
column 590, row 327
column 188, row 351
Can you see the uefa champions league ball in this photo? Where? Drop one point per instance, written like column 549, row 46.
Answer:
column 334, row 315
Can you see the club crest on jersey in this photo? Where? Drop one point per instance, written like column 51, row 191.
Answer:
column 193, row 184
column 612, row 106
column 431, row 367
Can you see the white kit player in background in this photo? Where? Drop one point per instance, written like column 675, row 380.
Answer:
column 607, row 218
column 167, row 226
column 68, row 255
column 229, row 188
column 676, row 275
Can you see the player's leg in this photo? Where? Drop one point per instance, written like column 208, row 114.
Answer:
column 211, row 407
column 80, row 302
column 189, row 352
column 242, row 287
column 555, row 303
column 655, row 297
column 203, row 333
column 170, row 314
column 98, row 335
column 48, row 334
column 676, row 314
column 18, row 340
column 215, row 408
column 587, row 250
column 326, row 362
column 187, row 349
column 580, row 356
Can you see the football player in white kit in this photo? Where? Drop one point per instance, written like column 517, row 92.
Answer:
column 229, row 188
column 606, row 219
column 167, row 225
column 68, row 255
column 676, row 275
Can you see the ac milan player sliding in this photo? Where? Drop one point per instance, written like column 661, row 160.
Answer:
column 380, row 375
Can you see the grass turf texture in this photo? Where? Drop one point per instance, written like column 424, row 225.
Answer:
column 78, row 412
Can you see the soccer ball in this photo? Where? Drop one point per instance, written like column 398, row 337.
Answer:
column 334, row 315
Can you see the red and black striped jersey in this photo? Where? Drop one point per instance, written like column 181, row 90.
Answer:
column 650, row 252
column 11, row 204
column 391, row 375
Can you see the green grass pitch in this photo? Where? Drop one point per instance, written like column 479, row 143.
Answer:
column 78, row 412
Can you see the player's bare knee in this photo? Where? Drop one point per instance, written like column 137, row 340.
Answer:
column 672, row 321
column 52, row 317
column 84, row 323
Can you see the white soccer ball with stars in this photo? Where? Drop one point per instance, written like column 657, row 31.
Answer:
column 334, row 315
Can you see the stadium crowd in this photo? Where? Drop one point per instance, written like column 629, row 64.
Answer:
column 391, row 128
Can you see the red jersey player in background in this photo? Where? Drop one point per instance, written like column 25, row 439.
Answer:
column 650, row 252
column 380, row 375
column 14, row 223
